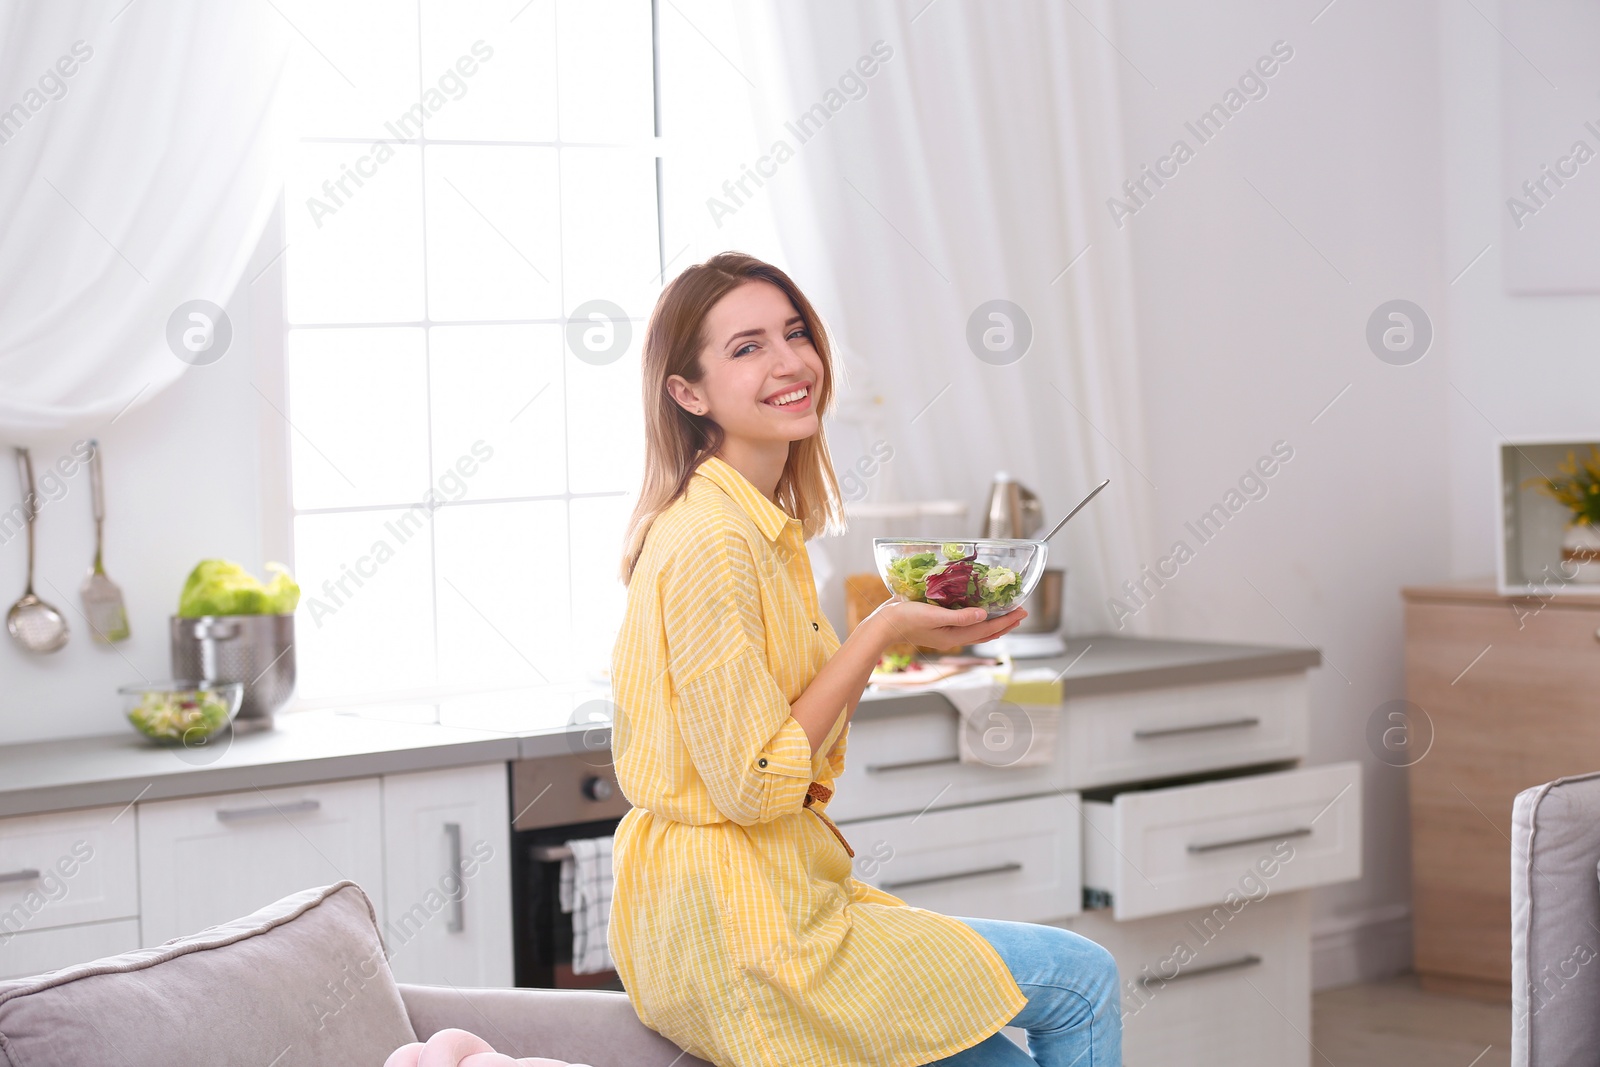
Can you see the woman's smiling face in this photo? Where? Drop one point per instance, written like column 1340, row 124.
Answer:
column 757, row 351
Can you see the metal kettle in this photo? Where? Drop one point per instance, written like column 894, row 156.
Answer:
column 1012, row 511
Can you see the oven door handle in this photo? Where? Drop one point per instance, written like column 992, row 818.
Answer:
column 458, row 909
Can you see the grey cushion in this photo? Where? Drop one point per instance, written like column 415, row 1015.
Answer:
column 303, row 981
column 1555, row 924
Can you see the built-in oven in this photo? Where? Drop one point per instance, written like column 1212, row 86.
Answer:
column 555, row 799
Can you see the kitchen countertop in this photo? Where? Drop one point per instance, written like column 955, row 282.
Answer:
column 1487, row 591
column 324, row 745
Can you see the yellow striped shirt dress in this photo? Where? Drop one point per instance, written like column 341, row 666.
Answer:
column 736, row 927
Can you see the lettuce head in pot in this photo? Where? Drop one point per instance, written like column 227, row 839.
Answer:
column 222, row 587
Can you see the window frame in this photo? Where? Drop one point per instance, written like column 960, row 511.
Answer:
column 270, row 332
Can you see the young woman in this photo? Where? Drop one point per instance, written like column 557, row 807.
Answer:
column 735, row 924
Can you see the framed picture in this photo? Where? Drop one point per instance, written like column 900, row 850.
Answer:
column 1533, row 525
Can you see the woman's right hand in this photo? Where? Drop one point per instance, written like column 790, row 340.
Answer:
column 931, row 626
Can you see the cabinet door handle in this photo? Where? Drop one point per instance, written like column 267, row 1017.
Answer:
column 888, row 886
column 1299, row 831
column 1251, row 960
column 874, row 768
column 1205, row 727
column 27, row 874
column 458, row 911
column 297, row 808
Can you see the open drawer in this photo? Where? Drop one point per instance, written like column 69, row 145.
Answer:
column 1155, row 851
column 1013, row 859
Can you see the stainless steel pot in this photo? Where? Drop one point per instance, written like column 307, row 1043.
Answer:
column 1044, row 606
column 256, row 650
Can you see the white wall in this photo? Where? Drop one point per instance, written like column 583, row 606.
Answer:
column 182, row 483
column 1257, row 267
column 1522, row 366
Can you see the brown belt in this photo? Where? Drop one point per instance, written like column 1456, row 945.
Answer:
column 818, row 791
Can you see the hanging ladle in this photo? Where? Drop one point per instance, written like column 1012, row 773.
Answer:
column 33, row 624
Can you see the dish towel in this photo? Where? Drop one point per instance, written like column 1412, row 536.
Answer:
column 586, row 883
column 1008, row 718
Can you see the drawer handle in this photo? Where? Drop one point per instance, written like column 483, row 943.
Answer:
column 297, row 808
column 458, row 916
column 887, row 886
column 27, row 874
column 1299, row 831
column 874, row 768
column 1174, row 731
column 1215, row 968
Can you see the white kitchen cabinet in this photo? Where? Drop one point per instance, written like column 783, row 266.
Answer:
column 1015, row 859
column 210, row 859
column 65, row 868
column 447, row 876
column 1224, row 986
column 1187, row 816
column 431, row 849
column 1145, row 734
column 38, row 951
column 1163, row 850
column 900, row 764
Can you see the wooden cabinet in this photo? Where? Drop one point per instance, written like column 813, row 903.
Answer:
column 447, row 876
column 1510, row 687
column 210, row 859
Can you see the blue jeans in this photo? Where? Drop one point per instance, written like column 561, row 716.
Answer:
column 1074, row 1012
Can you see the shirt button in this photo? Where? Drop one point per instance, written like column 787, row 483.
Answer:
column 762, row 762
column 814, row 626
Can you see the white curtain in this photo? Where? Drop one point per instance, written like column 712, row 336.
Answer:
column 972, row 164
column 140, row 156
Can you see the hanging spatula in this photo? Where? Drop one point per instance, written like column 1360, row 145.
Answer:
column 102, row 600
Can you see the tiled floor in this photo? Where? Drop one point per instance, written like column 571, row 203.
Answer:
column 1395, row 1024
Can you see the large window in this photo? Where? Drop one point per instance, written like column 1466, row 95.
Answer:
column 473, row 200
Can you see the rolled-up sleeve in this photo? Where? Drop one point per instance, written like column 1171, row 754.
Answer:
column 735, row 720
column 829, row 765
column 835, row 758
column 753, row 772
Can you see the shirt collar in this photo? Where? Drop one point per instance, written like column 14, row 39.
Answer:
column 768, row 516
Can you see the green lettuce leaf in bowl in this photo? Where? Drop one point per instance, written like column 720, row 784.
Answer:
column 222, row 587
column 908, row 575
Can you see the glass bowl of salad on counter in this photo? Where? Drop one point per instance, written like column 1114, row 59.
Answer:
column 181, row 712
column 992, row 573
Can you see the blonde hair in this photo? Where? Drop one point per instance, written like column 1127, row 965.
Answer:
column 676, row 441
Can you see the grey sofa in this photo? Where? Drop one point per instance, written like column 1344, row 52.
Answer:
column 1555, row 924
column 303, row 982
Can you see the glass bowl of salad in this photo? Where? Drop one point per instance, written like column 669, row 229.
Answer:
column 181, row 712
column 994, row 573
